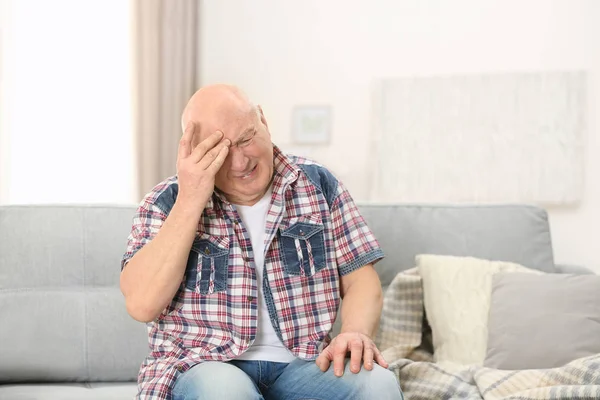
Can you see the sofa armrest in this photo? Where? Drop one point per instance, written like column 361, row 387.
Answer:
column 573, row 269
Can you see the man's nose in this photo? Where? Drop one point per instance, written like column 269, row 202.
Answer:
column 239, row 161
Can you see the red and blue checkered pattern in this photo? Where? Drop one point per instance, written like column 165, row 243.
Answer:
column 302, row 302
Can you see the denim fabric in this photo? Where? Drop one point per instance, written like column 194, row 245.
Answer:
column 323, row 180
column 213, row 267
column 299, row 380
column 303, row 249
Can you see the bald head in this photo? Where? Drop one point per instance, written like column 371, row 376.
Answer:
column 212, row 105
column 247, row 170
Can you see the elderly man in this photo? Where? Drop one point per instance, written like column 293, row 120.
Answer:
column 238, row 264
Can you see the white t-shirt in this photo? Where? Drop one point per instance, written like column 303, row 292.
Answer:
column 266, row 346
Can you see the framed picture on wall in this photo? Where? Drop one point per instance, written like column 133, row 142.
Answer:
column 311, row 124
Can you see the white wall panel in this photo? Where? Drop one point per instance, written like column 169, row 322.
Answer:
column 514, row 137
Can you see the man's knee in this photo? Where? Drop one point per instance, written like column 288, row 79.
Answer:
column 214, row 380
column 379, row 383
column 306, row 378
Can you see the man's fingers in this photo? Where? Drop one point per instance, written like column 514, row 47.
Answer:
column 206, row 145
column 368, row 357
column 185, row 143
column 380, row 360
column 339, row 355
column 218, row 161
column 211, row 156
column 323, row 361
column 356, row 354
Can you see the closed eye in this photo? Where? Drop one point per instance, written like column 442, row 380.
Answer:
column 247, row 141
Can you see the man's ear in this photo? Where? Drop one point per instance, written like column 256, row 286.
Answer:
column 262, row 117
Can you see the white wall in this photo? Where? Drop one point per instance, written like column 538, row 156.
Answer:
column 285, row 53
column 4, row 144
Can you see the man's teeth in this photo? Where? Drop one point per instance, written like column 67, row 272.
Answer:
column 249, row 173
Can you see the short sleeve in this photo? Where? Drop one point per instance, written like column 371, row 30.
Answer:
column 147, row 221
column 355, row 244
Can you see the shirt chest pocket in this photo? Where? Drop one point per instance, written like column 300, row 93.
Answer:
column 303, row 247
column 207, row 266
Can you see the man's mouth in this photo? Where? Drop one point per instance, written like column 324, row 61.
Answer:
column 250, row 173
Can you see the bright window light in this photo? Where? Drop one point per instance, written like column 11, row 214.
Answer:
column 66, row 103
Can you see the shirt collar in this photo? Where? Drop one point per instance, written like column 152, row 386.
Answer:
column 283, row 166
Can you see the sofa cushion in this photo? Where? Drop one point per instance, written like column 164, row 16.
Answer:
column 63, row 315
column 457, row 293
column 73, row 391
column 542, row 321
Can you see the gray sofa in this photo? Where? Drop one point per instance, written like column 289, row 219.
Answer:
column 64, row 331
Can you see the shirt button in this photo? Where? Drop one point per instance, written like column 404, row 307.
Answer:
column 206, row 251
column 250, row 298
column 180, row 368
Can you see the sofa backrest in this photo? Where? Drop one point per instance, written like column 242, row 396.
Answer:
column 63, row 317
column 515, row 233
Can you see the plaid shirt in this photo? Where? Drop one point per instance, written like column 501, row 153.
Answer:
column 315, row 235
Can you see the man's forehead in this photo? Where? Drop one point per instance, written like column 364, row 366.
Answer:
column 232, row 130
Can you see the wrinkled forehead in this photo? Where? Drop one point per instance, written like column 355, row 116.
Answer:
column 233, row 125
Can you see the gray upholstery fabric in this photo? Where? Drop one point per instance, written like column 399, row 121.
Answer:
column 514, row 233
column 542, row 321
column 63, row 315
column 63, row 318
column 573, row 269
column 42, row 335
column 74, row 391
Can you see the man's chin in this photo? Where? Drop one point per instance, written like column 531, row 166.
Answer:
column 254, row 190
column 251, row 191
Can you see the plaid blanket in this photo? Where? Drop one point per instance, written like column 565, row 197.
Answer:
column 405, row 339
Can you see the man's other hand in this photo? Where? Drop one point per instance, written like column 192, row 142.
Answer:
column 362, row 351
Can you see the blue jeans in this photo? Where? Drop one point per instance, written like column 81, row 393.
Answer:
column 298, row 380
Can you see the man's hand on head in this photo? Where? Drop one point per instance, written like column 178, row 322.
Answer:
column 362, row 351
column 197, row 166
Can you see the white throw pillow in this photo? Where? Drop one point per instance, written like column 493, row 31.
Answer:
column 457, row 293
